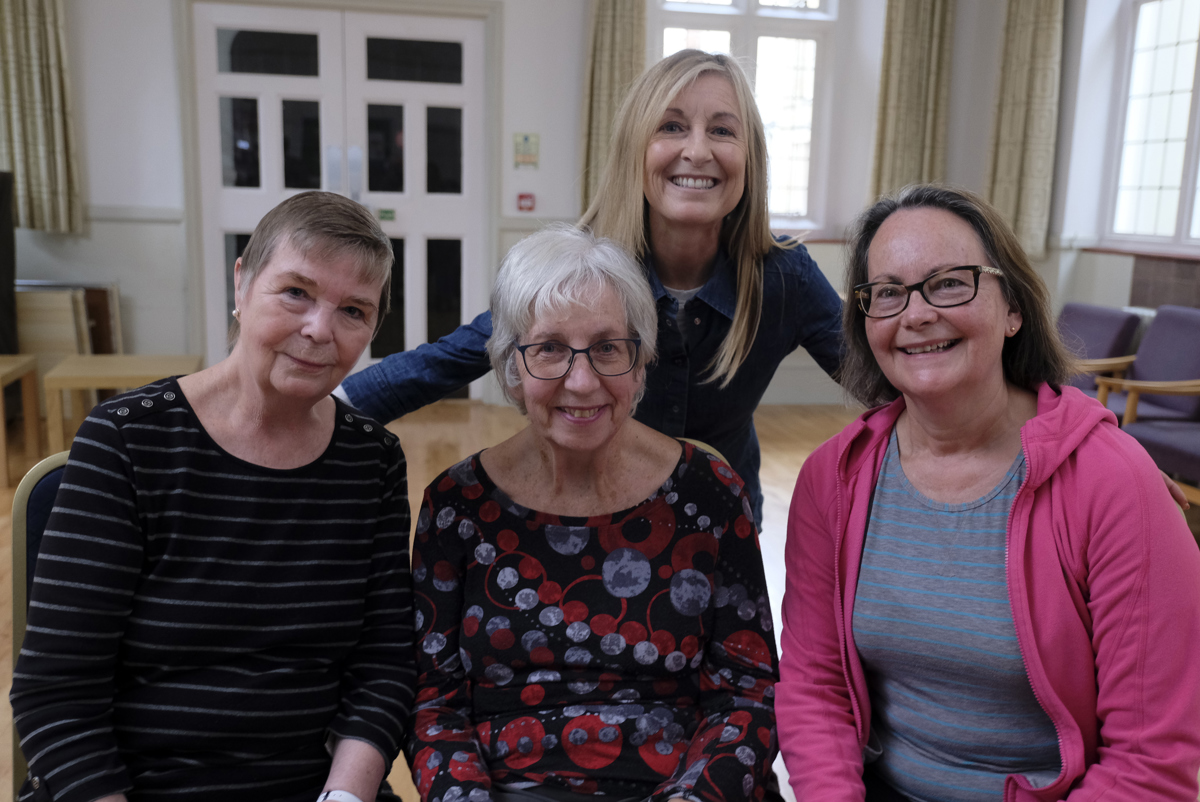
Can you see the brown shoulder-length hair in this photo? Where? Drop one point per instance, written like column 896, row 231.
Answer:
column 619, row 212
column 1034, row 355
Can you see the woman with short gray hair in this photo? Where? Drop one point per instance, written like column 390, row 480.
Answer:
column 592, row 611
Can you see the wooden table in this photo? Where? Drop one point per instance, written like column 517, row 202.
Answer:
column 106, row 371
column 12, row 368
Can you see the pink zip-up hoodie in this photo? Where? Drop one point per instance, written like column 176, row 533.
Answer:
column 1104, row 585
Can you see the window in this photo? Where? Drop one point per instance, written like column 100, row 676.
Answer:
column 783, row 46
column 1155, row 203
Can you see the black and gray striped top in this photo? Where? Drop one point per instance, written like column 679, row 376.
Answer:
column 200, row 625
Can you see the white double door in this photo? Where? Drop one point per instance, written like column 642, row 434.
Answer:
column 387, row 109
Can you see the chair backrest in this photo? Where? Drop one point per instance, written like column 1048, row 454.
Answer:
column 1170, row 351
column 32, row 503
column 1095, row 332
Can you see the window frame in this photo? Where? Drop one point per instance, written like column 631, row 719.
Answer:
column 746, row 21
column 1181, row 243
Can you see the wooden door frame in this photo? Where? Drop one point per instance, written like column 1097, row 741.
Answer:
column 489, row 11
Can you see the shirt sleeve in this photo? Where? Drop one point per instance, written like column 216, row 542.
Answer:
column 819, row 322
column 444, row 748
column 731, row 752
column 88, row 569
column 379, row 673
column 409, row 380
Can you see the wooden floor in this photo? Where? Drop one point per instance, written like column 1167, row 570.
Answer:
column 437, row 437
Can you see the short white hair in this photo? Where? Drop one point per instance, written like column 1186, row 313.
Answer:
column 556, row 268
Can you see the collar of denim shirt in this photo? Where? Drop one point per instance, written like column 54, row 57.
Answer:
column 719, row 292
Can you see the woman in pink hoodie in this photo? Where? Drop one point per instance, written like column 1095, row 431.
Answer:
column 990, row 594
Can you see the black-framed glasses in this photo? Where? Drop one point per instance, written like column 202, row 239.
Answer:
column 552, row 360
column 943, row 289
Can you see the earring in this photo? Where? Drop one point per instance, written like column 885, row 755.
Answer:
column 237, row 314
column 1013, row 329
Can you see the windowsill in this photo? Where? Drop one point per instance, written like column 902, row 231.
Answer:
column 1148, row 252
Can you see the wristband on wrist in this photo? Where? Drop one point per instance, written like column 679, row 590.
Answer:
column 337, row 796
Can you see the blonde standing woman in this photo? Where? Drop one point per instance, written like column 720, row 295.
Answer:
column 685, row 190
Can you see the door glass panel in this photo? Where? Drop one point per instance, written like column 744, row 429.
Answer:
column 385, row 148
column 266, row 52
column 235, row 246
column 443, row 291
column 413, row 60
column 443, row 145
column 239, row 142
column 302, row 144
column 390, row 339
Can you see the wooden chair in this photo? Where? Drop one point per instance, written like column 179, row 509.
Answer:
column 32, row 504
column 1156, row 381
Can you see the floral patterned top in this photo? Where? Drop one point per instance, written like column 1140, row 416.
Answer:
column 628, row 655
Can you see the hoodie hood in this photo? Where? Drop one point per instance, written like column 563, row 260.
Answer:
column 1066, row 415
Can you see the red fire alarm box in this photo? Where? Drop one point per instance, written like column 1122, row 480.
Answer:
column 525, row 202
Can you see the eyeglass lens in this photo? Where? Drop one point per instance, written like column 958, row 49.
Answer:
column 551, row 360
column 949, row 288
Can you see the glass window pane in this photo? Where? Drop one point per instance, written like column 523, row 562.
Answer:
column 676, row 39
column 443, row 147
column 385, row 148
column 784, row 91
column 235, row 246
column 1156, row 118
column 805, row 4
column 302, row 144
column 413, row 60
column 443, row 304
column 266, row 52
column 239, row 142
column 711, row 2
column 390, row 339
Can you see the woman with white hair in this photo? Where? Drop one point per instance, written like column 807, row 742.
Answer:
column 685, row 190
column 592, row 614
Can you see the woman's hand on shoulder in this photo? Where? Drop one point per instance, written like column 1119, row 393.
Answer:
column 1176, row 492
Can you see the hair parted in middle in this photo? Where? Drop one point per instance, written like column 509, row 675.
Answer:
column 1034, row 355
column 618, row 210
column 555, row 268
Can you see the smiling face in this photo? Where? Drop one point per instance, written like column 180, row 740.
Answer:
column 304, row 323
column 695, row 164
column 581, row 411
column 927, row 352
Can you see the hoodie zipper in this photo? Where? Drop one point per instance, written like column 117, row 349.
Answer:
column 1020, row 644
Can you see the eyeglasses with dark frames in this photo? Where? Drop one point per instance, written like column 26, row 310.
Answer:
column 552, row 360
column 944, row 289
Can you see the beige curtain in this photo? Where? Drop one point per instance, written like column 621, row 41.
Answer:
column 910, row 138
column 36, row 139
column 616, row 56
column 1020, row 176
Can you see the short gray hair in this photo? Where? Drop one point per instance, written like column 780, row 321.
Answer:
column 555, row 268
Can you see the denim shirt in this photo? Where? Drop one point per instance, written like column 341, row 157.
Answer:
column 800, row 309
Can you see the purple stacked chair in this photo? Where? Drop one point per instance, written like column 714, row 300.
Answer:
column 1095, row 332
column 1169, row 351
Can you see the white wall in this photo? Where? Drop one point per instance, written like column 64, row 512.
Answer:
column 545, row 47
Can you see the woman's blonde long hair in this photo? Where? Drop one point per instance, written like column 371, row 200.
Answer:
column 619, row 211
